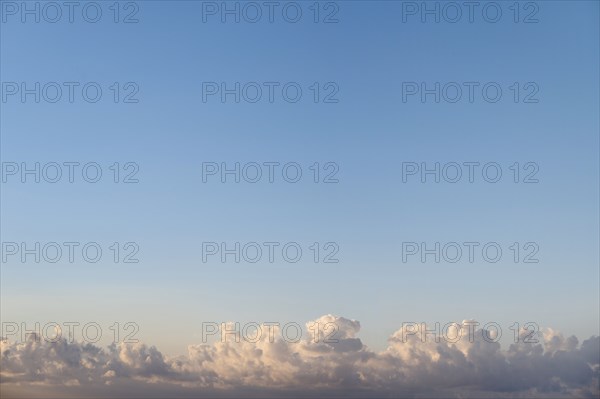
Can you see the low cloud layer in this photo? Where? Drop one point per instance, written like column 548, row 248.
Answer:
column 408, row 367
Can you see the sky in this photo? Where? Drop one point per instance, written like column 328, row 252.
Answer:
column 368, row 65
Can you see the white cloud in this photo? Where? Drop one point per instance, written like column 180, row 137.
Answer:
column 558, row 366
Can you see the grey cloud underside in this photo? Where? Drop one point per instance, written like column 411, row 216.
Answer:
column 556, row 367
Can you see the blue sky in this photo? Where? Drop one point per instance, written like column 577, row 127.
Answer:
column 369, row 133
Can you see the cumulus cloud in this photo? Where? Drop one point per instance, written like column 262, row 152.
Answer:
column 466, row 364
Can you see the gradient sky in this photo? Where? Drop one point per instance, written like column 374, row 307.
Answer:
column 369, row 133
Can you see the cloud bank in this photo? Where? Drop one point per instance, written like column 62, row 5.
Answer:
column 471, row 366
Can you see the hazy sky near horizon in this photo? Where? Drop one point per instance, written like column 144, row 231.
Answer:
column 366, row 61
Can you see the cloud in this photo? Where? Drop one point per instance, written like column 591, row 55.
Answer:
column 331, row 362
